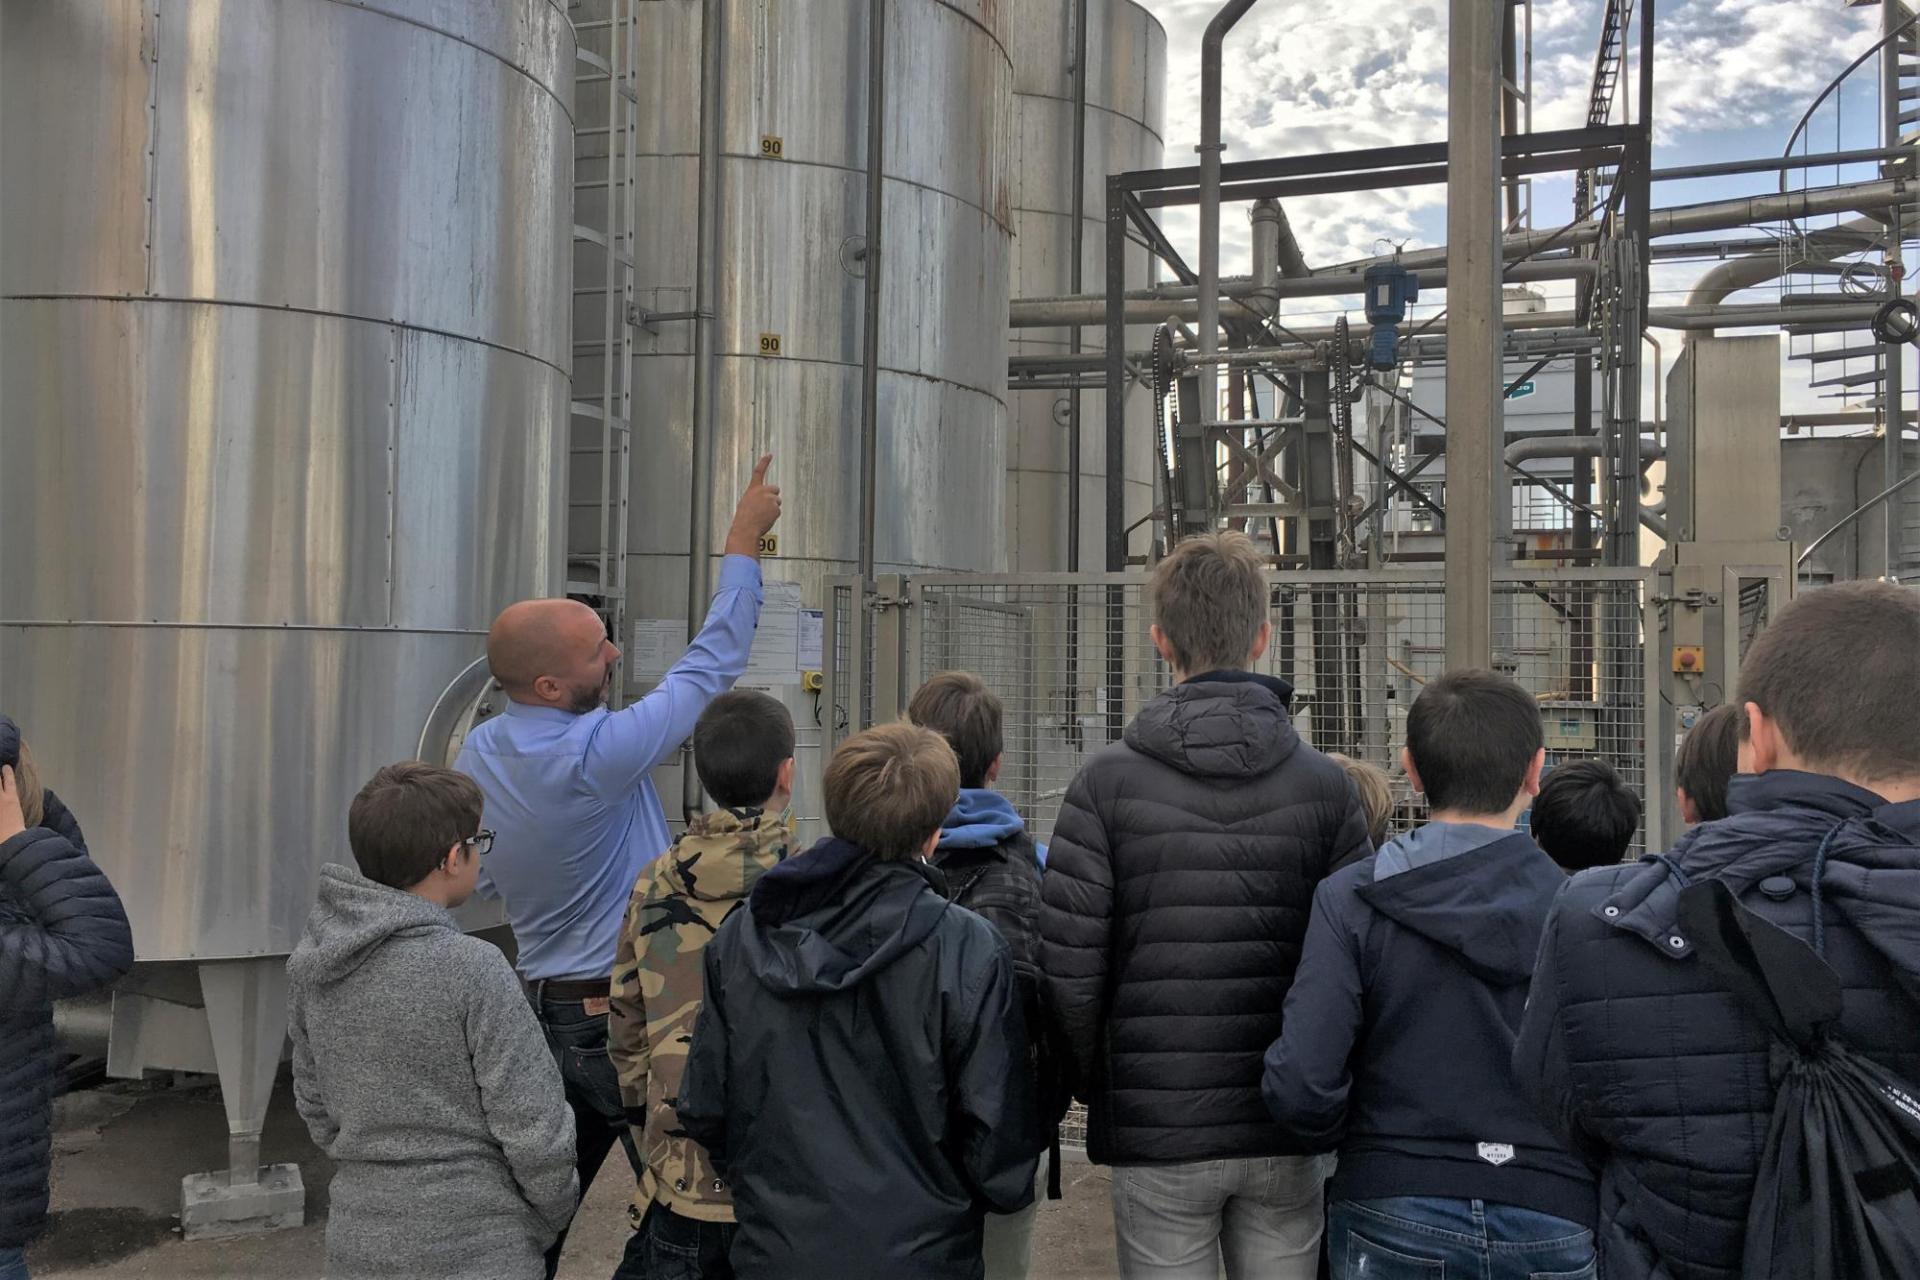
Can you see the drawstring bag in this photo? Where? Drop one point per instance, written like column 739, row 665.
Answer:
column 1838, row 1193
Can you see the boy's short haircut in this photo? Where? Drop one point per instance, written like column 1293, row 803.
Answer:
column 1209, row 599
column 890, row 788
column 1839, row 672
column 1472, row 733
column 1709, row 756
column 959, row 707
column 1585, row 816
column 1376, row 793
column 739, row 744
column 405, row 819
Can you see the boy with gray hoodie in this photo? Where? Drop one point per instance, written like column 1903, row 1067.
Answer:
column 417, row 1063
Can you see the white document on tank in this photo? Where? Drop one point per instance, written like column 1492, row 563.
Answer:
column 658, row 643
column 812, row 638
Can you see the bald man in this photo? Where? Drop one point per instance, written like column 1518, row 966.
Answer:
column 572, row 807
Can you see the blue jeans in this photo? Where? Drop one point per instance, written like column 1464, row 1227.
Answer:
column 1430, row 1238
column 667, row 1246
column 13, row 1264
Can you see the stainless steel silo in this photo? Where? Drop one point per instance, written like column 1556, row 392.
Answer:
column 1126, row 77
column 284, row 351
column 788, row 316
column 789, row 103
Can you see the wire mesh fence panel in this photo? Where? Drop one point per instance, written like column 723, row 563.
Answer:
column 1072, row 662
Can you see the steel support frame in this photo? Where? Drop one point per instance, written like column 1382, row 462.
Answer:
column 1130, row 195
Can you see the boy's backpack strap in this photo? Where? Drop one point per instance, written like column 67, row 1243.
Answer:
column 1778, row 978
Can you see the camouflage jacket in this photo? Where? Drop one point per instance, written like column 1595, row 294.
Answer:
column 678, row 903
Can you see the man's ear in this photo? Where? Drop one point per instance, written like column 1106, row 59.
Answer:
column 1413, row 774
column 926, row 850
column 1764, row 747
column 783, row 777
column 1531, row 785
column 993, row 770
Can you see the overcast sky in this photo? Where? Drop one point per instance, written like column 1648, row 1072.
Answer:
column 1731, row 77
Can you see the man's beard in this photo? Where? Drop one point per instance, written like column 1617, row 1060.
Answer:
column 588, row 699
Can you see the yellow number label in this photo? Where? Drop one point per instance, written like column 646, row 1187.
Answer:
column 769, row 344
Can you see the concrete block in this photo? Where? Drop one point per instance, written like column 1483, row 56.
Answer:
column 212, row 1208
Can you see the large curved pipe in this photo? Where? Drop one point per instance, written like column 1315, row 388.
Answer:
column 1211, row 46
column 1735, row 274
column 1534, row 448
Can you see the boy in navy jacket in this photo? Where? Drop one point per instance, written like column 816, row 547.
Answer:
column 1399, row 1030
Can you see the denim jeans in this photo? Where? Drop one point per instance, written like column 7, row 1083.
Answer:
column 13, row 1264
column 1430, row 1238
column 578, row 1041
column 667, row 1246
column 1259, row 1217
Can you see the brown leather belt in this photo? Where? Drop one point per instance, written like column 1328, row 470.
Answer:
column 571, row 989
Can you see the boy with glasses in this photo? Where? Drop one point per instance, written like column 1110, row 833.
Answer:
column 417, row 1063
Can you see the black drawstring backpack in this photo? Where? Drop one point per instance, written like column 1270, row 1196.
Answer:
column 1838, row 1195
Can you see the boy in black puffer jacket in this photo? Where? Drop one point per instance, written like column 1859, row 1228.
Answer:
column 992, row 867
column 1650, row 1067
column 63, row 933
column 1178, row 886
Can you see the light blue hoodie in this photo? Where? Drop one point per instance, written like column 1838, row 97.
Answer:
column 982, row 819
column 1435, row 842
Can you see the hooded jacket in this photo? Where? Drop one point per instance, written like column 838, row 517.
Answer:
column 63, row 933
column 419, row 1069
column 678, row 904
column 1653, row 1070
column 1398, row 1043
column 1178, row 886
column 853, row 1073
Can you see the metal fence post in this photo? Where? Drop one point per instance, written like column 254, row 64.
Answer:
column 890, row 603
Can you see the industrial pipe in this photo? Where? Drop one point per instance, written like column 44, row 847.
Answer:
column 1744, row 272
column 1718, row 215
column 1264, row 297
column 1534, row 448
column 870, row 321
column 1211, row 45
column 1077, row 248
column 706, row 290
column 1151, row 306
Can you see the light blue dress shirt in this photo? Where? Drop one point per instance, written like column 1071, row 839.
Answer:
column 573, row 810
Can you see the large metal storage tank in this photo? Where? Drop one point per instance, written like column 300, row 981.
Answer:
column 792, row 191
column 284, row 347
column 1126, row 77
column 788, row 315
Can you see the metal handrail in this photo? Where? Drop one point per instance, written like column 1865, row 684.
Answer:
column 1855, row 514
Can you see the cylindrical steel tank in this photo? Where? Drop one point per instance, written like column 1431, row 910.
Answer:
column 1821, row 481
column 788, row 315
column 284, row 352
column 1126, row 76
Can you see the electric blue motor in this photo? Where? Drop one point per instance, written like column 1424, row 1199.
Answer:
column 1390, row 287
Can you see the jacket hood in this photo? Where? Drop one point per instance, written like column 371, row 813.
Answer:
column 981, row 820
column 9, row 741
column 831, row 918
column 1231, row 724
column 352, row 918
column 1434, row 842
column 723, row 854
column 1777, row 824
column 1488, row 904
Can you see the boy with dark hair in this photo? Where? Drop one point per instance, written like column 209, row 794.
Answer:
column 1585, row 816
column 417, row 1063
column 683, row 1213
column 992, row 867
column 1422, row 955
column 1176, row 898
column 1641, row 1057
column 855, row 1070
column 1709, row 758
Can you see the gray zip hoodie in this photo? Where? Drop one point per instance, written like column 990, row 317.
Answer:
column 419, row 1068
